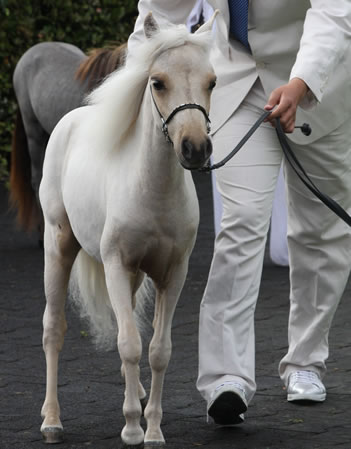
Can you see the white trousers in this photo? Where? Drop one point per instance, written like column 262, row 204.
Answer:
column 278, row 245
column 319, row 249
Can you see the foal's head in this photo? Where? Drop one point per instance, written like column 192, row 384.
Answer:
column 181, row 81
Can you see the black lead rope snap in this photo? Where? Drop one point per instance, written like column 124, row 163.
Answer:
column 292, row 160
column 305, row 129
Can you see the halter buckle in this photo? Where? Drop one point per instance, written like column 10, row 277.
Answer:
column 165, row 130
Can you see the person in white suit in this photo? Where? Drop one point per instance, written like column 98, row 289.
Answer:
column 287, row 54
column 278, row 247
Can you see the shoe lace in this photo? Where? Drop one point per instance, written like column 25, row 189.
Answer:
column 305, row 377
column 234, row 384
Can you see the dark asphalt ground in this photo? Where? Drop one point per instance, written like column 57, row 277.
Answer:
column 90, row 386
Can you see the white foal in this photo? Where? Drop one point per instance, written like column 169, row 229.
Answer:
column 115, row 194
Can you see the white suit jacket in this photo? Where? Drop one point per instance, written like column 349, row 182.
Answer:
column 308, row 39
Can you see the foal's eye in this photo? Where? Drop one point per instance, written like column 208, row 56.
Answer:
column 212, row 85
column 158, row 85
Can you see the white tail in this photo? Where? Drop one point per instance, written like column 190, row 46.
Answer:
column 89, row 293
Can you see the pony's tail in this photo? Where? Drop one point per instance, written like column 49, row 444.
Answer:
column 22, row 196
column 89, row 294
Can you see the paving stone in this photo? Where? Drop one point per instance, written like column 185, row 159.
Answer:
column 90, row 384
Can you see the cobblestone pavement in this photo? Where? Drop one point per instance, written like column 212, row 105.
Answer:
column 90, row 386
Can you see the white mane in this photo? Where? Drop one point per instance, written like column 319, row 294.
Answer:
column 119, row 97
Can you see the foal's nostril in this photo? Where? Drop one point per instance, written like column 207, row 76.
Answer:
column 206, row 148
column 187, row 150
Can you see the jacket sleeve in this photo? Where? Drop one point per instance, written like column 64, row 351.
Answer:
column 325, row 42
column 173, row 11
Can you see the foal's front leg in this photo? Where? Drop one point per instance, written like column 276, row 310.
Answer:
column 61, row 249
column 160, row 352
column 119, row 284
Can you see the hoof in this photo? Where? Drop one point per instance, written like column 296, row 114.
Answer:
column 133, row 446
column 154, row 444
column 52, row 435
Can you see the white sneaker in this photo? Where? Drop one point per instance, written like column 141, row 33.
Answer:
column 228, row 404
column 305, row 386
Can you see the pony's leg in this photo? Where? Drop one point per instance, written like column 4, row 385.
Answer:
column 160, row 352
column 60, row 252
column 37, row 139
column 141, row 390
column 37, row 142
column 142, row 393
column 119, row 283
column 139, row 278
column 142, row 396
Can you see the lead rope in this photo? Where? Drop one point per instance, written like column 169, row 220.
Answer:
column 293, row 162
column 301, row 173
column 247, row 136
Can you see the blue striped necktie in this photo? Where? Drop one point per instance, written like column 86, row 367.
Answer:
column 239, row 11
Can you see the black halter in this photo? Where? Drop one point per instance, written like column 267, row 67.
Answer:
column 179, row 108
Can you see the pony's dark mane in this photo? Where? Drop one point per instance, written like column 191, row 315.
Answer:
column 100, row 63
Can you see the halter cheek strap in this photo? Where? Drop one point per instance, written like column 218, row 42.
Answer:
column 179, row 108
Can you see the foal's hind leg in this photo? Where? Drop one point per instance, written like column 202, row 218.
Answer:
column 160, row 352
column 60, row 251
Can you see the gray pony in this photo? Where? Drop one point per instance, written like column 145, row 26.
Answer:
column 50, row 79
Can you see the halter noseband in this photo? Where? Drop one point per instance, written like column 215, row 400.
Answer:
column 179, row 108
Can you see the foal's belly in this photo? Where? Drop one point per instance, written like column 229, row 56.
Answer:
column 85, row 208
column 87, row 225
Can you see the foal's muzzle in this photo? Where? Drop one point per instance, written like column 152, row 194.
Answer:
column 194, row 155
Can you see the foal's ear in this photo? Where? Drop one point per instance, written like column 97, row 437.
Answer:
column 207, row 26
column 150, row 25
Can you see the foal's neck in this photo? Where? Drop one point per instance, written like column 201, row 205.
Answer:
column 158, row 163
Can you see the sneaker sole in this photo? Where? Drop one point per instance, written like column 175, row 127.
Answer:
column 226, row 409
column 307, row 397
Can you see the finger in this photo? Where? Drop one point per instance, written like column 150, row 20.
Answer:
column 287, row 117
column 289, row 127
column 281, row 113
column 282, row 110
column 273, row 101
column 288, row 124
column 276, row 112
